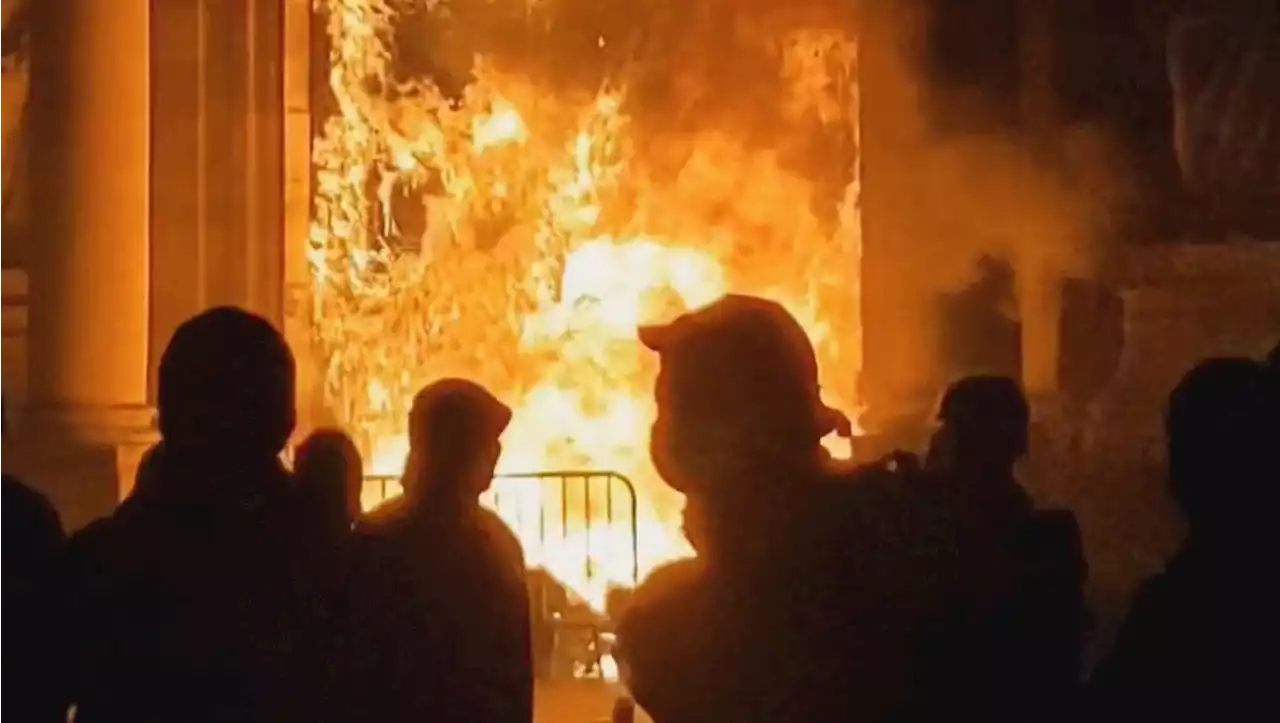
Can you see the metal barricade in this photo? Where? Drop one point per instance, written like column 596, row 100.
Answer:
column 600, row 482
column 568, row 640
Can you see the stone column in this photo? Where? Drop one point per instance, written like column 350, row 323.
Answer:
column 1040, row 309
column 900, row 373
column 217, row 166
column 89, row 260
column 299, row 56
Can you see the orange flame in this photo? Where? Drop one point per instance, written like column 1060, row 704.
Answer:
column 548, row 238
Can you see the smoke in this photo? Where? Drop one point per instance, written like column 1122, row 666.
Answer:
column 1044, row 201
column 779, row 79
column 1041, row 198
column 955, row 172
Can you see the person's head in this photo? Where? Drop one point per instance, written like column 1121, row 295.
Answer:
column 330, row 473
column 226, row 389
column 455, row 432
column 984, row 425
column 31, row 532
column 738, row 401
column 1220, row 430
column 996, row 277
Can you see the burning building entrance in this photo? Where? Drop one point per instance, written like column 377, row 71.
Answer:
column 506, row 190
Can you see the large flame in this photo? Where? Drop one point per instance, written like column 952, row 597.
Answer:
column 519, row 233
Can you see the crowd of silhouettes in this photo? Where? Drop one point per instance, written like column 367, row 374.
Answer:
column 227, row 587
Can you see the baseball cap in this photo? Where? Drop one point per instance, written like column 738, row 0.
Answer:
column 982, row 399
column 454, row 410
column 743, row 359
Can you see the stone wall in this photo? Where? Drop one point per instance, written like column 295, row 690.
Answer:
column 1182, row 303
column 15, row 339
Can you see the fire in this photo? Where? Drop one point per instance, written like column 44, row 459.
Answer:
column 519, row 234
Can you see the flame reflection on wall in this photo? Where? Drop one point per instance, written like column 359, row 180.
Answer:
column 518, row 232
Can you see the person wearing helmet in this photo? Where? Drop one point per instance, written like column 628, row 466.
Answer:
column 453, row 600
column 1020, row 571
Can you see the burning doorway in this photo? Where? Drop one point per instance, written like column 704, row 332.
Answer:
column 505, row 190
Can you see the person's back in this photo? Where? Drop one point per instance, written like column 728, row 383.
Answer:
column 1016, row 628
column 1191, row 645
column 33, row 540
column 1013, row 649
column 453, row 614
column 824, row 622
column 193, row 601
column 447, row 576
column 181, row 608
column 804, row 603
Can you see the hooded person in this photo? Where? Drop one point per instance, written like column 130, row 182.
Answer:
column 451, row 572
column 782, row 542
column 196, row 595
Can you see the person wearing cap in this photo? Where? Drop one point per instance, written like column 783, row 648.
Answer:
column 452, row 593
column 1020, row 572
column 738, row 398
column 984, row 425
column 788, row 611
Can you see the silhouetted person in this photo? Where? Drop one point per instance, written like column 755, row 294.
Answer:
column 1019, row 608
column 33, row 539
column 981, row 330
column 193, row 601
column 452, row 572
column 31, row 536
column 795, row 608
column 1194, row 643
column 330, row 476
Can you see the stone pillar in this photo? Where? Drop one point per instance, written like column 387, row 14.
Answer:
column 299, row 55
column 217, row 199
column 1182, row 303
column 900, row 373
column 1040, row 310
column 88, row 263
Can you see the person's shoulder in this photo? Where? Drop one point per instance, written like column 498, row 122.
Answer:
column 1052, row 541
column 662, row 604
column 1053, row 528
column 884, row 494
column 668, row 583
column 383, row 520
column 500, row 534
column 124, row 523
column 96, row 549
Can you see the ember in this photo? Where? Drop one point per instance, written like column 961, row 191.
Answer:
column 518, row 233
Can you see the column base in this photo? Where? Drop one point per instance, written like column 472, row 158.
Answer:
column 84, row 458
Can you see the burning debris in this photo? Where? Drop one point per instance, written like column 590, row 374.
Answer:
column 505, row 191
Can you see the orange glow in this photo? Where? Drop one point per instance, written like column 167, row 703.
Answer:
column 548, row 239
